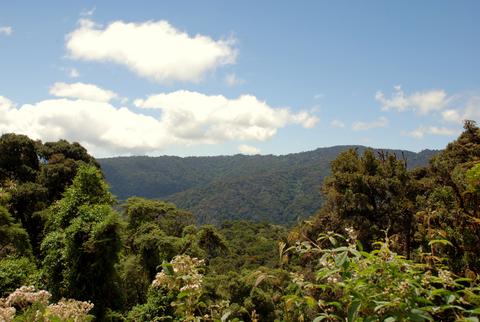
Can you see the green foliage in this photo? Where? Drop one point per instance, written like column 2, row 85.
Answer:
column 18, row 158
column 14, row 239
column 373, row 194
column 15, row 272
column 166, row 216
column 352, row 285
column 211, row 242
column 34, row 175
column 27, row 201
column 82, row 247
column 157, row 307
column 250, row 245
column 134, row 280
column 450, row 208
column 91, row 249
column 88, row 188
column 278, row 189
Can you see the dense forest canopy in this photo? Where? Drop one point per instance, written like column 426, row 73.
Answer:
column 390, row 242
column 279, row 189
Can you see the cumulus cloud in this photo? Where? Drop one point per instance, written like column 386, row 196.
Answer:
column 337, row 124
column 6, row 30
column 432, row 130
column 232, row 80
column 82, row 91
column 469, row 109
column 101, row 127
column 152, row 49
column 248, row 149
column 184, row 118
column 212, row 118
column 421, row 102
column 364, row 126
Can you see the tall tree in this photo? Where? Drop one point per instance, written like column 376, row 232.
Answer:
column 373, row 194
column 83, row 242
column 451, row 207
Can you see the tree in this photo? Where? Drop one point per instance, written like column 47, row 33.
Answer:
column 18, row 158
column 60, row 161
column 35, row 175
column 165, row 215
column 81, row 248
column 450, row 208
column 211, row 242
column 373, row 194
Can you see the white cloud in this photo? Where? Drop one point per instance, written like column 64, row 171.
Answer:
column 468, row 110
column 337, row 124
column 421, row 102
column 194, row 116
column 432, row 130
column 363, row 126
column 6, row 30
column 102, row 128
column 232, row 80
column 152, row 49
column 82, row 91
column 248, row 149
column 185, row 118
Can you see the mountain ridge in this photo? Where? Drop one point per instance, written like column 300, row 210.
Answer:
column 280, row 189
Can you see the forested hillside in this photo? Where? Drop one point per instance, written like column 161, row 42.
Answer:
column 278, row 189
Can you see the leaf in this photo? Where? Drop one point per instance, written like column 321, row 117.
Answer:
column 168, row 268
column 332, row 240
column 311, row 302
column 353, row 310
column 474, row 311
column 260, row 278
column 443, row 242
column 419, row 315
column 225, row 316
column 338, row 305
column 380, row 305
column 450, row 298
column 319, row 318
column 469, row 319
column 390, row 319
column 181, row 295
column 341, row 258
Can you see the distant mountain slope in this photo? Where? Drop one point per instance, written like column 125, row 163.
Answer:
column 278, row 189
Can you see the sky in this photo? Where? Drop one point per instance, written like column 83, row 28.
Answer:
column 226, row 77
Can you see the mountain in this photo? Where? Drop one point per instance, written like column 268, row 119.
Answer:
column 278, row 189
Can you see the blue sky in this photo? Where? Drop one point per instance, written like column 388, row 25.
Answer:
column 209, row 78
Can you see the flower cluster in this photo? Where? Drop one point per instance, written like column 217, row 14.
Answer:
column 352, row 235
column 71, row 310
column 186, row 274
column 25, row 296
column 183, row 275
column 7, row 313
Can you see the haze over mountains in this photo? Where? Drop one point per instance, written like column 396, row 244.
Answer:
column 279, row 189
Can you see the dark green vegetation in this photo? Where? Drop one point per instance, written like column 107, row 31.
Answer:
column 277, row 189
column 389, row 243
